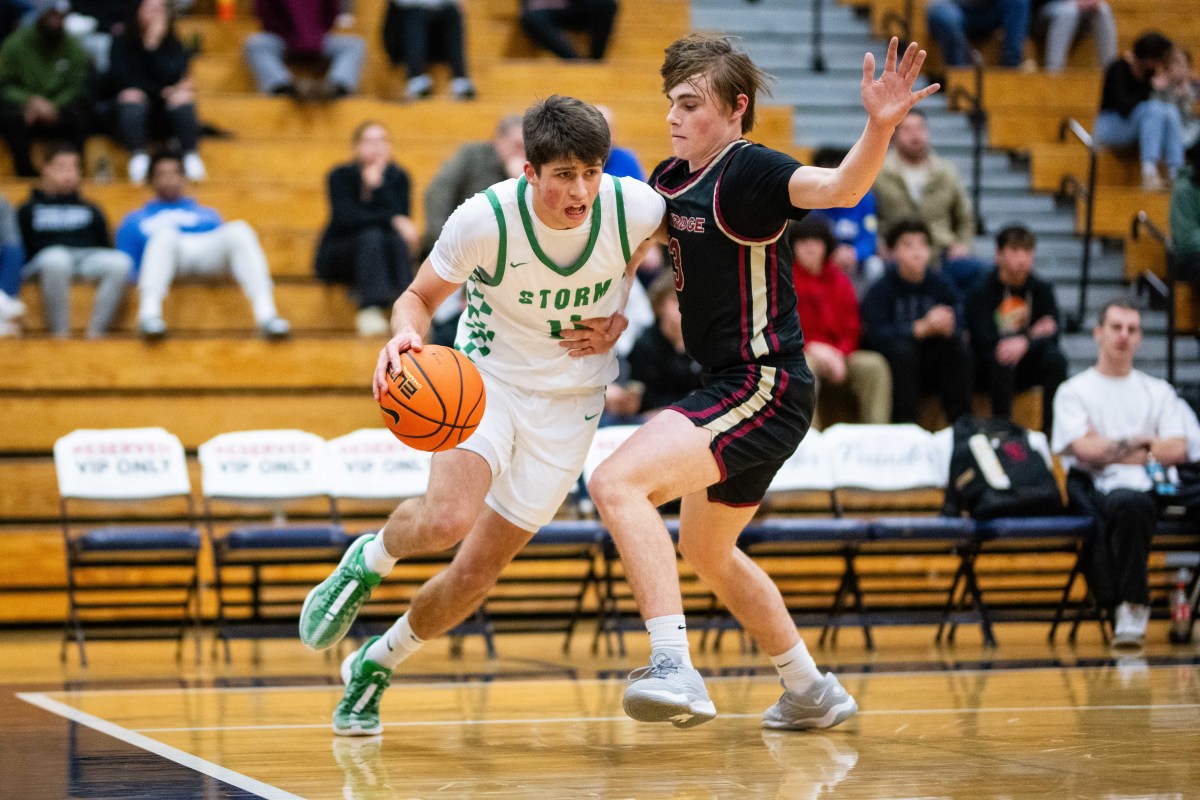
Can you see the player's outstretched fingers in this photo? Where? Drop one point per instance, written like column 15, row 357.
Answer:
column 910, row 53
column 914, row 68
column 889, row 63
column 868, row 69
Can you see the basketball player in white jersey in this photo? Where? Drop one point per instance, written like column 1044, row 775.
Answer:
column 547, row 260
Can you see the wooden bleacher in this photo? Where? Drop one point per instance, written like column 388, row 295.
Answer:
column 1025, row 113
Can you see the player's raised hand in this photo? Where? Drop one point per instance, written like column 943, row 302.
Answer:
column 889, row 97
column 389, row 359
column 593, row 336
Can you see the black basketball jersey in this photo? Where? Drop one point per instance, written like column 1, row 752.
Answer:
column 736, row 293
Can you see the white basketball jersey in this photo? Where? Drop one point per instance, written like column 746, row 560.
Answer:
column 517, row 307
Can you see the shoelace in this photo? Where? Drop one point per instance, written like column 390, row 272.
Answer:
column 661, row 667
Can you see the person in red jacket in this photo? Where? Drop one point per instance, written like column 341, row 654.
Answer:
column 303, row 29
column 829, row 316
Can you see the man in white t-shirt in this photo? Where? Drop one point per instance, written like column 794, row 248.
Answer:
column 1110, row 421
column 547, row 260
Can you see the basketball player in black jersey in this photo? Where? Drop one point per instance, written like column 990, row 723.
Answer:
column 728, row 203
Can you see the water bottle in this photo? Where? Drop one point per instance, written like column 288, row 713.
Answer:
column 1158, row 476
column 1181, row 610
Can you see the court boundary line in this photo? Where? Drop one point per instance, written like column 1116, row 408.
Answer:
column 184, row 759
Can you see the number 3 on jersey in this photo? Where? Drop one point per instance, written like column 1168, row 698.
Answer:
column 676, row 262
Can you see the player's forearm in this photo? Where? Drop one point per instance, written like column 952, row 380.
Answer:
column 411, row 314
column 857, row 172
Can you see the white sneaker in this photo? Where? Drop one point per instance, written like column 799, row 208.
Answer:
column 371, row 321
column 139, row 166
column 9, row 329
column 10, row 307
column 1130, row 628
column 667, row 691
column 193, row 167
column 152, row 327
column 462, row 89
column 824, row 705
column 418, row 88
column 275, row 328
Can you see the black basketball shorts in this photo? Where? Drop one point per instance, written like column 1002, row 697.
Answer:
column 757, row 415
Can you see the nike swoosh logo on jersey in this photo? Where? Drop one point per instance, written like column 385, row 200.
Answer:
column 515, row 264
column 590, row 417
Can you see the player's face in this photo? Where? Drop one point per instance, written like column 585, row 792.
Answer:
column 700, row 124
column 1015, row 264
column 563, row 191
column 1119, row 336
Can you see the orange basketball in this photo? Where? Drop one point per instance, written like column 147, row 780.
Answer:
column 435, row 400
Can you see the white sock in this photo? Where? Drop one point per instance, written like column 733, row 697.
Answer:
column 376, row 556
column 1149, row 169
column 797, row 668
column 669, row 634
column 396, row 645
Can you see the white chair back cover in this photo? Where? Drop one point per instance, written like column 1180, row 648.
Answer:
column 607, row 440
column 885, row 457
column 264, row 465
column 808, row 469
column 121, row 464
column 372, row 464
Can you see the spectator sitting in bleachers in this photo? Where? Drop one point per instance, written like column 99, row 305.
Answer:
column 66, row 237
column 12, row 257
column 1012, row 316
column 154, row 94
column 544, row 22
column 94, row 23
column 1181, row 90
column 1062, row 19
column 173, row 236
column 660, row 372
column 830, row 320
column 416, row 32
column 1185, row 223
column 916, row 182
column 43, row 85
column 369, row 241
column 1130, row 116
column 910, row 316
column 303, row 30
column 473, row 168
column 855, row 229
column 1110, row 422
column 952, row 21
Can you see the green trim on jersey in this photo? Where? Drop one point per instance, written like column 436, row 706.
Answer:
column 527, row 221
column 480, row 275
column 621, row 220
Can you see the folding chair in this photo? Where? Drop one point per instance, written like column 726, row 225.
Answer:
column 374, row 470
column 904, row 467
column 254, row 478
column 143, row 473
column 805, row 482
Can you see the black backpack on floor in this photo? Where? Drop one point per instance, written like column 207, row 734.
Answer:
column 994, row 472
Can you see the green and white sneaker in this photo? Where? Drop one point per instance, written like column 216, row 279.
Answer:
column 330, row 608
column 357, row 713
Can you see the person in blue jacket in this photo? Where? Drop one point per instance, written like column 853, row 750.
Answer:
column 174, row 236
column 856, row 230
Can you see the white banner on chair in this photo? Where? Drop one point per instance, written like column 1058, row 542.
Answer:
column 371, row 464
column 884, row 457
column 607, row 440
column 264, row 464
column 121, row 464
column 807, row 470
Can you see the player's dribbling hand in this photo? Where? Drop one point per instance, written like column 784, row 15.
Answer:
column 888, row 99
column 389, row 359
column 594, row 336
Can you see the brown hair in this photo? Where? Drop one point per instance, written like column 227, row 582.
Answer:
column 730, row 72
column 1128, row 305
column 661, row 289
column 564, row 128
